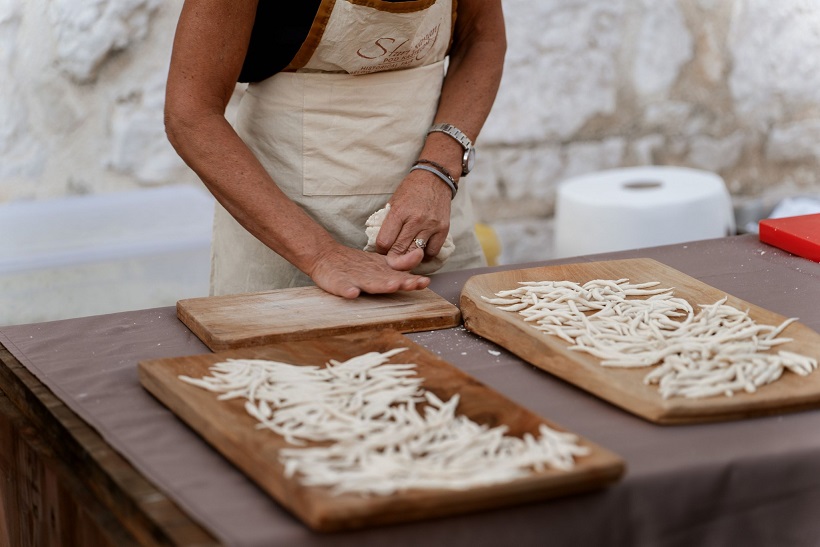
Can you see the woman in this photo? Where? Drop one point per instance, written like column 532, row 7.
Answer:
column 332, row 136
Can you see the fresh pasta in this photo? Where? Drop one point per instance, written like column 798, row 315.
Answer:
column 718, row 350
column 380, row 430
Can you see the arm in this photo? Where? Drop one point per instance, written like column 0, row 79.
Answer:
column 209, row 49
column 420, row 207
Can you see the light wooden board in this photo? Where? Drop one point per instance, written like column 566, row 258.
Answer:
column 253, row 319
column 227, row 426
column 625, row 387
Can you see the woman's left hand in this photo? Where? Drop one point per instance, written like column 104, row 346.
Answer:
column 419, row 211
column 420, row 207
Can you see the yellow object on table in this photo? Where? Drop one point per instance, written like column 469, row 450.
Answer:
column 490, row 243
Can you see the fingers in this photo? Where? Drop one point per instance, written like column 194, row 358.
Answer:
column 348, row 272
column 347, row 290
column 416, row 284
column 412, row 245
column 394, row 282
column 389, row 233
column 435, row 243
column 403, row 225
column 405, row 261
column 406, row 256
column 351, row 288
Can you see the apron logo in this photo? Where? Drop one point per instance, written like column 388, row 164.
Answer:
column 392, row 54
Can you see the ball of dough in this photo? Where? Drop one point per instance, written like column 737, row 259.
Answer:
column 430, row 265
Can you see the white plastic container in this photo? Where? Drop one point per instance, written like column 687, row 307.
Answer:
column 103, row 253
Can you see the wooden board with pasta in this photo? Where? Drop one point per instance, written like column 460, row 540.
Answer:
column 759, row 362
column 328, row 494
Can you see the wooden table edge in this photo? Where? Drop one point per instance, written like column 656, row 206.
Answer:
column 87, row 460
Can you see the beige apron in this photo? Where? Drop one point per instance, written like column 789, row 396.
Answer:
column 339, row 130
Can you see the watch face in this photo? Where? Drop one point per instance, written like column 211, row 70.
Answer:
column 468, row 161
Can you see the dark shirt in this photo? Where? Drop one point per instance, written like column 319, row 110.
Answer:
column 278, row 32
column 277, row 35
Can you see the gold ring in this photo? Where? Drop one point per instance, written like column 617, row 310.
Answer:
column 420, row 243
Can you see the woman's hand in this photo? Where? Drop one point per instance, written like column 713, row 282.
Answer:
column 419, row 209
column 348, row 272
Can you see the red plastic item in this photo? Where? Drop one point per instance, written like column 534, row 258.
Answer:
column 798, row 235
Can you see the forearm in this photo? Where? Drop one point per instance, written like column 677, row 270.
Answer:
column 472, row 81
column 209, row 50
column 210, row 146
column 421, row 204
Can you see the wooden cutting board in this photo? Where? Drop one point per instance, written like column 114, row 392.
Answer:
column 253, row 319
column 227, row 426
column 625, row 387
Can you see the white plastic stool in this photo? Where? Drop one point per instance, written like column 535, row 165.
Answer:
column 637, row 207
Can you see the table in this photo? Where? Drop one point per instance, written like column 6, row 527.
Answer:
column 88, row 457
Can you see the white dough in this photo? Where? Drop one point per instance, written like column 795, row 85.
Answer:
column 430, row 265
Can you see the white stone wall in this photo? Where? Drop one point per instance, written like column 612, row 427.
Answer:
column 82, row 87
column 730, row 86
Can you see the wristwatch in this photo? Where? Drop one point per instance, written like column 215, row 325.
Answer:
column 468, row 159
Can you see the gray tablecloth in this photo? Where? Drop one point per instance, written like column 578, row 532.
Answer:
column 752, row 482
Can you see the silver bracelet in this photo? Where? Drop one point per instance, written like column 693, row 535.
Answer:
column 447, row 180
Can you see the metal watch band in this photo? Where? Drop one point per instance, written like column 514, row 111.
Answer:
column 468, row 158
column 454, row 132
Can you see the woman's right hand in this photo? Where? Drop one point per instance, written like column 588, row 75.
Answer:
column 348, row 272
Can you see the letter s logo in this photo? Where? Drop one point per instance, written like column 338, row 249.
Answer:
column 378, row 43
